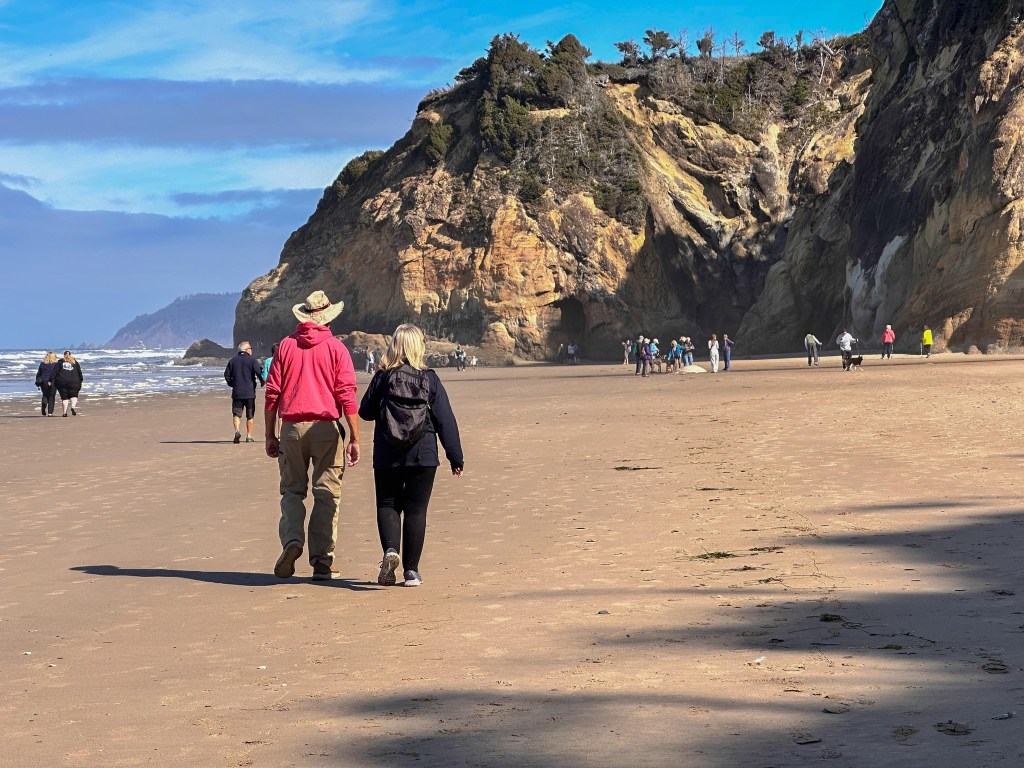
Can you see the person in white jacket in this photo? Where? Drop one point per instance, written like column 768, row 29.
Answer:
column 713, row 350
column 845, row 342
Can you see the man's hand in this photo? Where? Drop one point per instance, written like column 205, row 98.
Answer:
column 273, row 446
column 352, row 452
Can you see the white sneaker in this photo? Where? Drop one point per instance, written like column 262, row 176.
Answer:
column 412, row 579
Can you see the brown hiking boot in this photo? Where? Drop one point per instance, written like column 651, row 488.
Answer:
column 285, row 566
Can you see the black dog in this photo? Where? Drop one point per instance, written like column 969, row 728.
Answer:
column 854, row 363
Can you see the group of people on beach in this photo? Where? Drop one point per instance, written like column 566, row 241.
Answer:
column 59, row 376
column 845, row 341
column 309, row 411
column 648, row 354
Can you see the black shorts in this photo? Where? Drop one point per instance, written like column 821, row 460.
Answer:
column 248, row 405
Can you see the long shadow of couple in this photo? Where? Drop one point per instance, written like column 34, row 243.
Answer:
column 231, row 578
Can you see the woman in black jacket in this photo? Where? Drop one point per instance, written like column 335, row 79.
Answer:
column 410, row 408
column 44, row 380
column 69, row 382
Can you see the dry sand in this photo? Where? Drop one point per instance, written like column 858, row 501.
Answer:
column 576, row 609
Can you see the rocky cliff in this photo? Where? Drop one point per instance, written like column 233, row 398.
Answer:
column 852, row 182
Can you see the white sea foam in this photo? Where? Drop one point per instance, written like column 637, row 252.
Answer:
column 109, row 371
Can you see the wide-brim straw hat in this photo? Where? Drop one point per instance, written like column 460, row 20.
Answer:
column 317, row 309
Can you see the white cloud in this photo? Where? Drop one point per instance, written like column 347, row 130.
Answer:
column 143, row 179
column 195, row 40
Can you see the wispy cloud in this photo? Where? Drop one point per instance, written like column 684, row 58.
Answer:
column 198, row 40
column 213, row 113
column 17, row 180
column 147, row 179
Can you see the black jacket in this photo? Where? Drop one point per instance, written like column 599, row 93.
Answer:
column 424, row 454
column 68, row 378
column 46, row 373
column 241, row 374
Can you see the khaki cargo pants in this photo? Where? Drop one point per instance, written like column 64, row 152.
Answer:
column 318, row 443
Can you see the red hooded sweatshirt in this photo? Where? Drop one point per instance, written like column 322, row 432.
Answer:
column 312, row 377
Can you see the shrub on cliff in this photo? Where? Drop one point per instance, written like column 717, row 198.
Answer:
column 439, row 141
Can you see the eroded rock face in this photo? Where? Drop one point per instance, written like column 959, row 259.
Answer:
column 905, row 209
column 924, row 226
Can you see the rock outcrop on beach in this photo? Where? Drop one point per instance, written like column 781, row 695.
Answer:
column 205, row 352
column 846, row 182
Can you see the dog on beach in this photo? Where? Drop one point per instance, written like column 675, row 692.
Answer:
column 855, row 363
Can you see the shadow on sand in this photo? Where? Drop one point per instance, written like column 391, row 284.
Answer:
column 231, row 578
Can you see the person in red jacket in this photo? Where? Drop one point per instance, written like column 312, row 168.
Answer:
column 312, row 383
column 888, row 339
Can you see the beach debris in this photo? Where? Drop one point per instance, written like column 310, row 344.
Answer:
column 759, row 660
column 766, row 549
column 634, row 469
column 891, row 647
column 830, row 617
column 51, row 666
column 953, row 728
column 1003, row 592
column 602, row 612
column 714, row 556
column 996, row 667
column 806, row 738
column 836, row 709
column 1004, row 716
column 903, row 732
column 262, row 666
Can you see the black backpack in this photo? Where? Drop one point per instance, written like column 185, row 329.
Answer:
column 405, row 406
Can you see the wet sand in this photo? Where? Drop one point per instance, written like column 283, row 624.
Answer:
column 774, row 566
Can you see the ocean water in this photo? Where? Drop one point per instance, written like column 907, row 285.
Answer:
column 111, row 372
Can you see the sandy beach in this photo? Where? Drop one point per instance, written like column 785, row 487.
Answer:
column 775, row 566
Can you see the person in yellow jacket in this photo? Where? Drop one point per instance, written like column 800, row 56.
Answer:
column 926, row 342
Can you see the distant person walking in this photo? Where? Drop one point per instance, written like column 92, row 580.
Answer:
column 845, row 341
column 241, row 373
column 68, row 382
column 645, row 353
column 625, row 352
column 460, row 358
column 44, row 380
column 727, row 345
column 713, row 352
column 311, row 385
column 410, row 409
column 638, row 354
column 888, row 339
column 370, row 361
column 268, row 361
column 812, row 345
column 926, row 342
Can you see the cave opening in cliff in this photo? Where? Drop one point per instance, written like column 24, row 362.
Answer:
column 571, row 323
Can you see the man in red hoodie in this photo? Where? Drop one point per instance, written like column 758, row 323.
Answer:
column 311, row 384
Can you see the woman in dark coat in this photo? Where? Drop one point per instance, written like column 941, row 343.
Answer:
column 403, row 473
column 69, row 383
column 44, row 380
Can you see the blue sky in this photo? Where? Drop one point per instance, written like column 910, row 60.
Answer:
column 155, row 148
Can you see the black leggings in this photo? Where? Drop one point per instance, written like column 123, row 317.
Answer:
column 49, row 393
column 403, row 491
